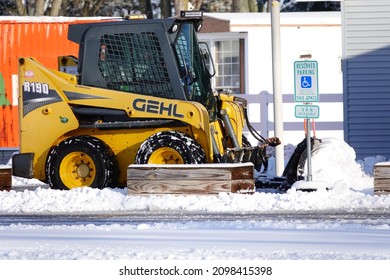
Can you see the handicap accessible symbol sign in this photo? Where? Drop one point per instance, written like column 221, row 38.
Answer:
column 306, row 82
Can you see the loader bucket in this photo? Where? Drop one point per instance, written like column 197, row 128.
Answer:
column 293, row 171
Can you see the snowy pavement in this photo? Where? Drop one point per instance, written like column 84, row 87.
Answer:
column 196, row 240
column 350, row 190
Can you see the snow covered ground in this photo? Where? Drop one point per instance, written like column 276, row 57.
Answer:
column 350, row 186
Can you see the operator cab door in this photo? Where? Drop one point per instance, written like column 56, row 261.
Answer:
column 135, row 57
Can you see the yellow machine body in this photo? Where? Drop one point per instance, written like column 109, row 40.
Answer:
column 48, row 124
column 139, row 92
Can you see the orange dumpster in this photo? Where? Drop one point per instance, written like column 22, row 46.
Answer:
column 44, row 38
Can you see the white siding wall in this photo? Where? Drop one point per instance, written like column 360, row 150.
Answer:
column 316, row 33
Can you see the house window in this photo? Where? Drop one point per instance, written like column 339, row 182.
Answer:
column 227, row 63
column 229, row 60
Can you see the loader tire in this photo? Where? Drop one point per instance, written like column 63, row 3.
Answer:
column 170, row 147
column 82, row 161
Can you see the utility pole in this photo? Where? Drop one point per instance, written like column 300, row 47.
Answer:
column 277, row 85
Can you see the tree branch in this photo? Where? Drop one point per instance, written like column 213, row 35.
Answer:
column 20, row 8
column 96, row 7
column 55, row 8
column 39, row 8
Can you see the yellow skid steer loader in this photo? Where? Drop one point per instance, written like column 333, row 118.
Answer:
column 139, row 92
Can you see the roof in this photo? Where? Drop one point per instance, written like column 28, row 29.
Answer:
column 299, row 18
column 17, row 19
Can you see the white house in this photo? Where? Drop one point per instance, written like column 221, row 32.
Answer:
column 242, row 48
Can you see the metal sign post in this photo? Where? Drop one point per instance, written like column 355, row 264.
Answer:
column 306, row 91
column 308, row 149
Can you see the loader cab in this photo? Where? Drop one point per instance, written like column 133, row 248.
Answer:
column 195, row 64
column 160, row 58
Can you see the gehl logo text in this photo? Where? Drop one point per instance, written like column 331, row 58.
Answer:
column 156, row 107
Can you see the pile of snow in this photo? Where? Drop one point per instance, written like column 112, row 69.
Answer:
column 334, row 164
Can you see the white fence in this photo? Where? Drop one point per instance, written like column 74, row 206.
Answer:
column 260, row 113
column 329, row 124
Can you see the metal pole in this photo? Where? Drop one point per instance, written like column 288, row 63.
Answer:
column 308, row 149
column 277, row 84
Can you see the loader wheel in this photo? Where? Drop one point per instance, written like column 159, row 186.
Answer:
column 81, row 161
column 170, row 147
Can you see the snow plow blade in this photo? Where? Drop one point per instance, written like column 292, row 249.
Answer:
column 293, row 172
column 213, row 178
column 272, row 183
column 5, row 177
column 190, row 178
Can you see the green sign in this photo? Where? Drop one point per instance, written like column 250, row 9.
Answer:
column 306, row 81
column 307, row 111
